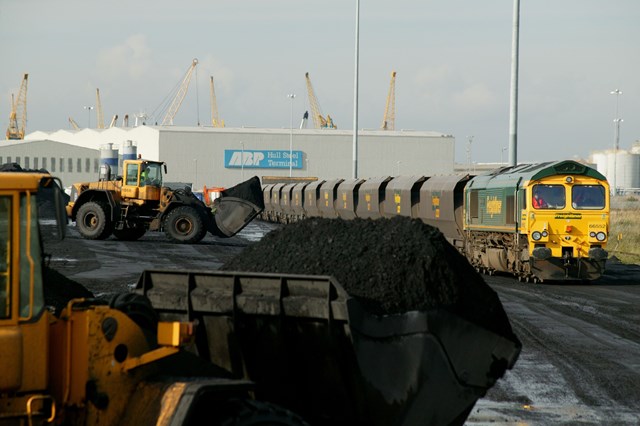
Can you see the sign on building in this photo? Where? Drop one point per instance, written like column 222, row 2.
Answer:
column 261, row 159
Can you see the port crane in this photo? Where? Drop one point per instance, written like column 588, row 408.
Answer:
column 215, row 117
column 18, row 115
column 389, row 119
column 179, row 97
column 73, row 123
column 319, row 121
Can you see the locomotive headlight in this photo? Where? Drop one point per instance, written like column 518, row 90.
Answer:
column 568, row 179
column 601, row 236
column 592, row 234
column 536, row 236
column 545, row 234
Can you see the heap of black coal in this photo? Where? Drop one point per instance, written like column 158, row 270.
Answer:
column 391, row 266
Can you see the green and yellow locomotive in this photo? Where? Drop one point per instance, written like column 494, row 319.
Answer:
column 544, row 221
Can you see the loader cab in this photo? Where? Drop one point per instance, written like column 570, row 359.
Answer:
column 24, row 320
column 142, row 179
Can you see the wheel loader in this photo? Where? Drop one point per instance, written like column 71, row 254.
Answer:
column 136, row 202
column 97, row 363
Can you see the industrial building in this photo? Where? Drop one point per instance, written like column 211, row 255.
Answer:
column 225, row 156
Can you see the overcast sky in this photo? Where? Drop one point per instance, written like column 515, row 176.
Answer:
column 452, row 58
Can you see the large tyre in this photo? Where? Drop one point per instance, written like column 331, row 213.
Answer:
column 92, row 221
column 248, row 412
column 129, row 234
column 185, row 225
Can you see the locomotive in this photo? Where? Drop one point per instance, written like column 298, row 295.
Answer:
column 540, row 222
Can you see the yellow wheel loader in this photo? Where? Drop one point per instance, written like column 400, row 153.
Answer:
column 137, row 202
column 97, row 363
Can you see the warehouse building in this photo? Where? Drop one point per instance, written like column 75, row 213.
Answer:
column 225, row 156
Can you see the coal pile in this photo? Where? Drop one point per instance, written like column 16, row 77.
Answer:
column 391, row 266
column 59, row 290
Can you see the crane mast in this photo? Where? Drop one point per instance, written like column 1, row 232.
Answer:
column 319, row 121
column 177, row 100
column 99, row 113
column 215, row 117
column 18, row 115
column 389, row 119
column 73, row 123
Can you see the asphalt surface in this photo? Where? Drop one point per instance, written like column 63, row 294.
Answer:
column 580, row 362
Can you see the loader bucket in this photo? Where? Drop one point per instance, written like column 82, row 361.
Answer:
column 310, row 347
column 236, row 207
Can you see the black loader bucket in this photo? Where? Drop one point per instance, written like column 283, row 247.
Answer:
column 310, row 347
column 236, row 207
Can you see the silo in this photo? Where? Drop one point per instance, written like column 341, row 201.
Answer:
column 109, row 156
column 599, row 158
column 627, row 170
column 129, row 150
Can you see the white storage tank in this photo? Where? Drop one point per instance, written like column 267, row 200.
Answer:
column 627, row 170
column 129, row 150
column 109, row 157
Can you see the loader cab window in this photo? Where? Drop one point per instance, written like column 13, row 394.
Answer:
column 588, row 197
column 548, row 197
column 5, row 253
column 30, row 260
column 132, row 174
column 151, row 174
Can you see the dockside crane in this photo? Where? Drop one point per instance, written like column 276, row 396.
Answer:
column 73, row 123
column 18, row 115
column 179, row 97
column 215, row 117
column 389, row 119
column 319, row 121
column 99, row 113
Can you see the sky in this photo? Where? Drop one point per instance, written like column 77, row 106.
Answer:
column 452, row 58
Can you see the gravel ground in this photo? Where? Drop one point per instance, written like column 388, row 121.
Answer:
column 580, row 362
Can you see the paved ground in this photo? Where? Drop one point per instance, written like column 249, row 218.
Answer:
column 580, row 362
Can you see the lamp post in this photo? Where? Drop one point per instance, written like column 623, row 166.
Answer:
column 616, row 141
column 355, row 95
column 242, row 162
column 292, row 97
column 470, row 141
column 88, row 108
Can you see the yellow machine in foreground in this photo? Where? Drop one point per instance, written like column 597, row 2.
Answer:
column 95, row 364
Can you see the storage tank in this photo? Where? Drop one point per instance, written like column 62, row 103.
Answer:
column 600, row 160
column 627, row 170
column 129, row 150
column 109, row 156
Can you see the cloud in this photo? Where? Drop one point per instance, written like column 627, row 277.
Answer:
column 475, row 97
column 129, row 59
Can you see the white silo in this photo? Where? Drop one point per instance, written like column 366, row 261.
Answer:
column 109, row 157
column 129, row 150
column 627, row 170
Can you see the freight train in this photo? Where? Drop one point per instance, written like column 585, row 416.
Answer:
column 540, row 222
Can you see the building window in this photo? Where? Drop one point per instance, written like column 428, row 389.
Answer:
column 9, row 159
column 44, row 162
column 70, row 161
column 79, row 165
column 1, row 160
column 61, row 164
column 87, row 165
column 35, row 162
column 18, row 160
column 95, row 165
column 53, row 164
column 26, row 163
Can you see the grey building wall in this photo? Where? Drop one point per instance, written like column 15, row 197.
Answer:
column 70, row 163
column 211, row 157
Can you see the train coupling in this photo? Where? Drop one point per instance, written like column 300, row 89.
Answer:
column 541, row 253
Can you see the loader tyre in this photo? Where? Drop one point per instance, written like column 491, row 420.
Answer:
column 248, row 412
column 92, row 221
column 129, row 234
column 185, row 225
